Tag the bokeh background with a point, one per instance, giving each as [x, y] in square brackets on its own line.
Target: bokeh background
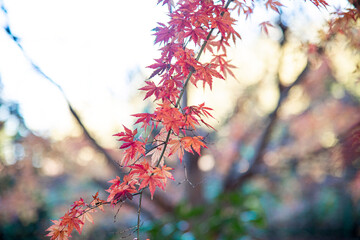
[282, 164]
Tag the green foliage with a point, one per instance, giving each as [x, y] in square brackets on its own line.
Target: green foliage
[234, 215]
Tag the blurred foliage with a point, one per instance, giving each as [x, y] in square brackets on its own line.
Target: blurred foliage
[229, 216]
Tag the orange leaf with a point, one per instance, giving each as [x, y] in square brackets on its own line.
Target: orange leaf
[57, 231]
[195, 143]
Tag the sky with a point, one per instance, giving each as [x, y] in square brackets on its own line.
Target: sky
[90, 48]
[87, 47]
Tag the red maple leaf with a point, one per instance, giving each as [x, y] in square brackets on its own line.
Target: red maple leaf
[151, 89]
[274, 5]
[163, 33]
[160, 66]
[170, 3]
[152, 181]
[319, 3]
[205, 73]
[196, 35]
[134, 147]
[164, 172]
[223, 64]
[176, 146]
[98, 202]
[57, 231]
[145, 119]
[194, 143]
[170, 117]
[264, 26]
[71, 222]
[121, 193]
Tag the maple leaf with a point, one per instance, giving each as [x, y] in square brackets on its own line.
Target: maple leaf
[87, 216]
[164, 172]
[98, 202]
[194, 143]
[223, 64]
[78, 203]
[319, 3]
[134, 151]
[264, 26]
[204, 110]
[134, 147]
[185, 61]
[205, 73]
[191, 121]
[180, 20]
[196, 34]
[127, 137]
[120, 191]
[145, 119]
[168, 51]
[160, 66]
[141, 169]
[169, 92]
[163, 33]
[121, 194]
[57, 231]
[156, 153]
[223, 24]
[170, 117]
[152, 181]
[151, 89]
[71, 222]
[274, 5]
[170, 3]
[248, 12]
[176, 146]
[239, 5]
[220, 45]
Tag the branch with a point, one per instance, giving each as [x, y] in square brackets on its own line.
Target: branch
[163, 203]
[187, 81]
[233, 182]
[138, 219]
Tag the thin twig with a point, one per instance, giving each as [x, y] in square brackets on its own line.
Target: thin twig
[138, 219]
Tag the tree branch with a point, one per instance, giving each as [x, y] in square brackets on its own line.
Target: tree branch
[233, 182]
[162, 203]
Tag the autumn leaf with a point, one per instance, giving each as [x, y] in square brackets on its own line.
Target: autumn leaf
[145, 119]
[264, 26]
[151, 89]
[87, 216]
[205, 73]
[71, 222]
[194, 143]
[319, 3]
[163, 33]
[164, 172]
[170, 117]
[57, 231]
[176, 147]
[225, 66]
[274, 5]
[98, 202]
[152, 181]
[160, 66]
[170, 3]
